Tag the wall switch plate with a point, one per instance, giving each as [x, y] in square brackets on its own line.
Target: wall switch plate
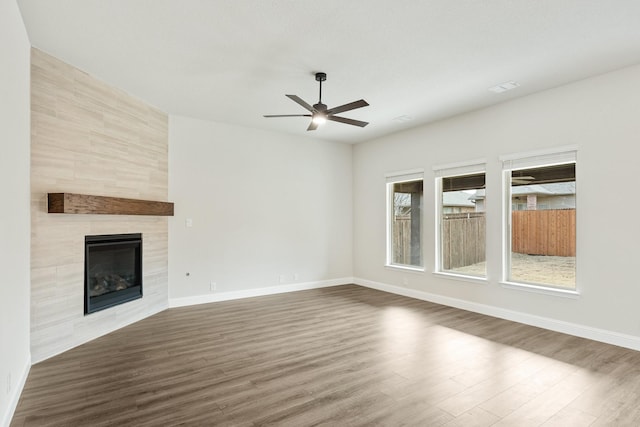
[213, 286]
[188, 222]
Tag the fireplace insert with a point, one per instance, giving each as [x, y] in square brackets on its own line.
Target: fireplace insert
[113, 270]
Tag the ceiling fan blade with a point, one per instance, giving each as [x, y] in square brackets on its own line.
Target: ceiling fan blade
[313, 125]
[348, 121]
[346, 107]
[299, 100]
[287, 115]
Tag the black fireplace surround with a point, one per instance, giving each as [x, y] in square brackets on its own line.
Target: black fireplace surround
[113, 270]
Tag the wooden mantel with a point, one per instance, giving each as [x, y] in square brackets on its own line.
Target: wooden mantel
[70, 203]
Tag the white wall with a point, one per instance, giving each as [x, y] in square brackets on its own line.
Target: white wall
[600, 116]
[14, 211]
[263, 205]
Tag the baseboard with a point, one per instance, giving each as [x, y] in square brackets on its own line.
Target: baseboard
[256, 292]
[15, 395]
[622, 340]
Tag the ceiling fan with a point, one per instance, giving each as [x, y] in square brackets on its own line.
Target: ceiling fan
[320, 113]
[521, 180]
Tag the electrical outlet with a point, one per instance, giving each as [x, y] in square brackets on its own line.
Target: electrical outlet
[8, 383]
[213, 286]
[296, 277]
[283, 278]
[405, 281]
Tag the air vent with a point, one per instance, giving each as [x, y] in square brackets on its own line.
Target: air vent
[503, 87]
[402, 119]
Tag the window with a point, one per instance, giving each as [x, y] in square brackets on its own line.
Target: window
[460, 204]
[404, 225]
[540, 210]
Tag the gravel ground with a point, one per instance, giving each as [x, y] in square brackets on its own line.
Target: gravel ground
[552, 270]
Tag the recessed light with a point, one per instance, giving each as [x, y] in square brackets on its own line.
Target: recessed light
[503, 87]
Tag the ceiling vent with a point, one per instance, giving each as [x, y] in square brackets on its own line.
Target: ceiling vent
[503, 87]
[402, 119]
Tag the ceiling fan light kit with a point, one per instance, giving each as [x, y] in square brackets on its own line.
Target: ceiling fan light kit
[320, 113]
[319, 119]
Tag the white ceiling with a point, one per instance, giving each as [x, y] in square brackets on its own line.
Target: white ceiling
[233, 61]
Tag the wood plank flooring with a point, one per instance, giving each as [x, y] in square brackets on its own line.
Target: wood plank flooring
[340, 356]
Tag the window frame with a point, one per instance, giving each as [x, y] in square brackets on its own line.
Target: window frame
[523, 161]
[390, 180]
[451, 170]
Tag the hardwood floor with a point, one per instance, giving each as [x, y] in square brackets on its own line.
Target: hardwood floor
[344, 356]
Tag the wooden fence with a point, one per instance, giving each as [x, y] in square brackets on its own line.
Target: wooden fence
[402, 240]
[463, 239]
[544, 232]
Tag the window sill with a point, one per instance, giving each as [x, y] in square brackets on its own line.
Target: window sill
[405, 268]
[461, 277]
[539, 289]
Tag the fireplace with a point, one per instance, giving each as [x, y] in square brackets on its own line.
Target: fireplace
[113, 270]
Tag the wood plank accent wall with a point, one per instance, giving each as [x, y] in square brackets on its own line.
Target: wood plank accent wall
[89, 138]
[69, 203]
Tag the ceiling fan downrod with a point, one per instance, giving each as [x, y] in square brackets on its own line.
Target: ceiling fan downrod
[320, 77]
